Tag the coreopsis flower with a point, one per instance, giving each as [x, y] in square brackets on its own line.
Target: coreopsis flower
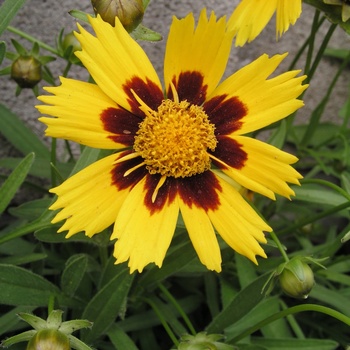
[175, 148]
[251, 17]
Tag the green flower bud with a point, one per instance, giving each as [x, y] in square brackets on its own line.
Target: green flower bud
[69, 45]
[26, 71]
[297, 279]
[49, 339]
[202, 341]
[129, 12]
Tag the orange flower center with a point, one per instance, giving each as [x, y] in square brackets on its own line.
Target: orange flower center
[173, 140]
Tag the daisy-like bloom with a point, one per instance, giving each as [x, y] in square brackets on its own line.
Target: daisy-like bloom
[251, 17]
[170, 141]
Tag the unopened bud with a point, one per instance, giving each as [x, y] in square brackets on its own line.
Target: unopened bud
[26, 71]
[297, 279]
[49, 339]
[203, 341]
[70, 44]
[129, 12]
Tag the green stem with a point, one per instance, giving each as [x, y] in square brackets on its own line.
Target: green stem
[178, 308]
[54, 162]
[318, 111]
[314, 218]
[320, 52]
[293, 310]
[163, 321]
[311, 41]
[33, 40]
[279, 246]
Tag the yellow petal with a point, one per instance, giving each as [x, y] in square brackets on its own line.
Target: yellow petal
[266, 100]
[266, 170]
[113, 58]
[250, 18]
[88, 200]
[204, 49]
[288, 11]
[77, 107]
[143, 237]
[238, 224]
[202, 236]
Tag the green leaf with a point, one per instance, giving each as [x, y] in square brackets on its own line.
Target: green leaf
[242, 303]
[105, 306]
[120, 340]
[143, 33]
[80, 15]
[73, 273]
[41, 167]
[23, 259]
[17, 133]
[2, 51]
[8, 11]
[31, 210]
[296, 344]
[278, 137]
[332, 298]
[14, 181]
[20, 287]
[314, 193]
[21, 50]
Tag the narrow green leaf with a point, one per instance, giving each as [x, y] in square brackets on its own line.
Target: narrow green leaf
[43, 222]
[314, 193]
[73, 273]
[278, 137]
[332, 298]
[120, 339]
[16, 132]
[2, 50]
[243, 302]
[41, 167]
[105, 306]
[20, 287]
[23, 259]
[8, 11]
[143, 33]
[296, 344]
[80, 15]
[14, 181]
[31, 210]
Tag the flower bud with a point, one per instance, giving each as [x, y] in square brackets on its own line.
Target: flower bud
[26, 71]
[297, 279]
[203, 341]
[49, 339]
[129, 12]
[69, 45]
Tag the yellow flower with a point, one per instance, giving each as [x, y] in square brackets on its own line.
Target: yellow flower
[167, 142]
[251, 16]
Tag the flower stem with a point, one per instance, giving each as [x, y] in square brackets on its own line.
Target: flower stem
[163, 321]
[32, 39]
[279, 246]
[316, 217]
[293, 310]
[178, 308]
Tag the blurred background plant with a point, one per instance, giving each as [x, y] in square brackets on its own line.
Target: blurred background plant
[182, 305]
